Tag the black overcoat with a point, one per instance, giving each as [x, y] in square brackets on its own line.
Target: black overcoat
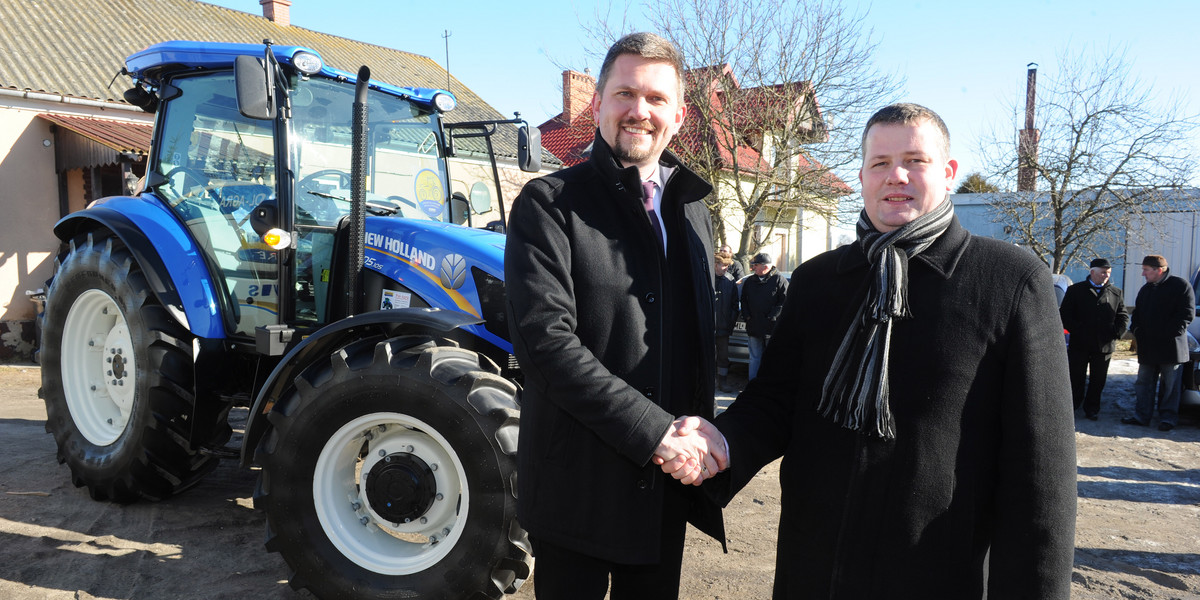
[725, 305]
[615, 340]
[762, 300]
[1095, 317]
[983, 461]
[1160, 319]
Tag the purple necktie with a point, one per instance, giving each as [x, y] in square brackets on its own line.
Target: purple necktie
[648, 202]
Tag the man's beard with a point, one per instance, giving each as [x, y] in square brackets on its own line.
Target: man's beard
[626, 154]
[629, 156]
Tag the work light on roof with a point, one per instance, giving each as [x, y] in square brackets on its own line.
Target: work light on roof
[444, 102]
[307, 62]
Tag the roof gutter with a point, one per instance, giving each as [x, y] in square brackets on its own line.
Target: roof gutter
[44, 97]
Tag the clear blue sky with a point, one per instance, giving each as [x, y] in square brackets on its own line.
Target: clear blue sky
[965, 60]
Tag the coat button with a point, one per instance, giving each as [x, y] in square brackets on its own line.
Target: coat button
[650, 298]
[641, 484]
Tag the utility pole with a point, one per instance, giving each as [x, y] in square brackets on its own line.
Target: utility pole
[446, 35]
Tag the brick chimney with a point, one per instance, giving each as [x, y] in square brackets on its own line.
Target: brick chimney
[1027, 145]
[277, 11]
[577, 94]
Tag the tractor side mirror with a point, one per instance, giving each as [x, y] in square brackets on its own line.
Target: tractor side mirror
[264, 217]
[529, 149]
[255, 86]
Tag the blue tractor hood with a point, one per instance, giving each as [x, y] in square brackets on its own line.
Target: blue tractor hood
[440, 262]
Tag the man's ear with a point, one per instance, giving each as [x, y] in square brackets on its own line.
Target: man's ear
[951, 172]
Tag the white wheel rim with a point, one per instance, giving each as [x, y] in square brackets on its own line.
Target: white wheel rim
[340, 496]
[98, 367]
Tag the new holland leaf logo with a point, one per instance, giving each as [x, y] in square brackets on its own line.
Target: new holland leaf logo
[453, 272]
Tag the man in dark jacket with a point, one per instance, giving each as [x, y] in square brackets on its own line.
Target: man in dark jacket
[1164, 307]
[736, 270]
[725, 313]
[763, 294]
[1093, 312]
[919, 403]
[610, 290]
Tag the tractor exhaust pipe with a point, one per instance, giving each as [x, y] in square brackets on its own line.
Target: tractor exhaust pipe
[358, 193]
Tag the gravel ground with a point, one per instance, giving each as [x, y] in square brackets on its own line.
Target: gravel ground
[1138, 532]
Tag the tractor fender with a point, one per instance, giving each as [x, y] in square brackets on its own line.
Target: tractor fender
[173, 264]
[326, 340]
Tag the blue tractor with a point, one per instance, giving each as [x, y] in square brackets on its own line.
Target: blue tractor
[295, 257]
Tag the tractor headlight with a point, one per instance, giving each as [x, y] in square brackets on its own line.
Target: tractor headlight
[444, 102]
[307, 62]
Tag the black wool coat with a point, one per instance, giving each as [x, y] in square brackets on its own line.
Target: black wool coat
[615, 340]
[982, 468]
[725, 305]
[1095, 318]
[1160, 319]
[762, 300]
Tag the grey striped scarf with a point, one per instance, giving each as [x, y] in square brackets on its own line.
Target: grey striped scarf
[855, 394]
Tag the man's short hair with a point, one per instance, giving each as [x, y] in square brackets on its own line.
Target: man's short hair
[907, 113]
[648, 46]
[1156, 261]
[724, 258]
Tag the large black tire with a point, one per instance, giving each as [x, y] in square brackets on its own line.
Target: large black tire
[390, 472]
[117, 378]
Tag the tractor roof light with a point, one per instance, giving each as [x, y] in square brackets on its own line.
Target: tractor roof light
[277, 239]
[444, 102]
[307, 62]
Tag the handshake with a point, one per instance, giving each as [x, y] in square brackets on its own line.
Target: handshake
[693, 450]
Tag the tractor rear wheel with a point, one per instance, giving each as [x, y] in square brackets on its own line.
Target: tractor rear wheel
[390, 472]
[117, 378]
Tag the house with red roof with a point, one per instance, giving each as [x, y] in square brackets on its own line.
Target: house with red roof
[772, 196]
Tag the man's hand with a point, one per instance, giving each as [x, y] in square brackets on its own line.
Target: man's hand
[692, 451]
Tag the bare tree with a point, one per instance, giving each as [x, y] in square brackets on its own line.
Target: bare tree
[1110, 149]
[778, 91]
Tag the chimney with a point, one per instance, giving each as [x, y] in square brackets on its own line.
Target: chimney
[277, 11]
[577, 94]
[1027, 144]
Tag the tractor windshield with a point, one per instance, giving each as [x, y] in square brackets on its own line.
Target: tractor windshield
[404, 167]
[405, 174]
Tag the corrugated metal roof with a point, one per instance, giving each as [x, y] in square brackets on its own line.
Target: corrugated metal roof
[76, 48]
[122, 136]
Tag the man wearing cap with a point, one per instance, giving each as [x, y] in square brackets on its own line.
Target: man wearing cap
[1093, 311]
[763, 294]
[1164, 307]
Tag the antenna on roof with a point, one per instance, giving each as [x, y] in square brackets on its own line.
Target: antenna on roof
[446, 35]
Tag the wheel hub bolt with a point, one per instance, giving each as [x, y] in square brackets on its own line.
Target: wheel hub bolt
[364, 521]
[383, 453]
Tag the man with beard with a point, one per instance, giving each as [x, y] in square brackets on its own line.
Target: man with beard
[608, 268]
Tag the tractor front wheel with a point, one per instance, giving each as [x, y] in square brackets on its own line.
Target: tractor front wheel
[390, 472]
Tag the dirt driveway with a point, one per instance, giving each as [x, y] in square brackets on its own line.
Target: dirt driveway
[1138, 532]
